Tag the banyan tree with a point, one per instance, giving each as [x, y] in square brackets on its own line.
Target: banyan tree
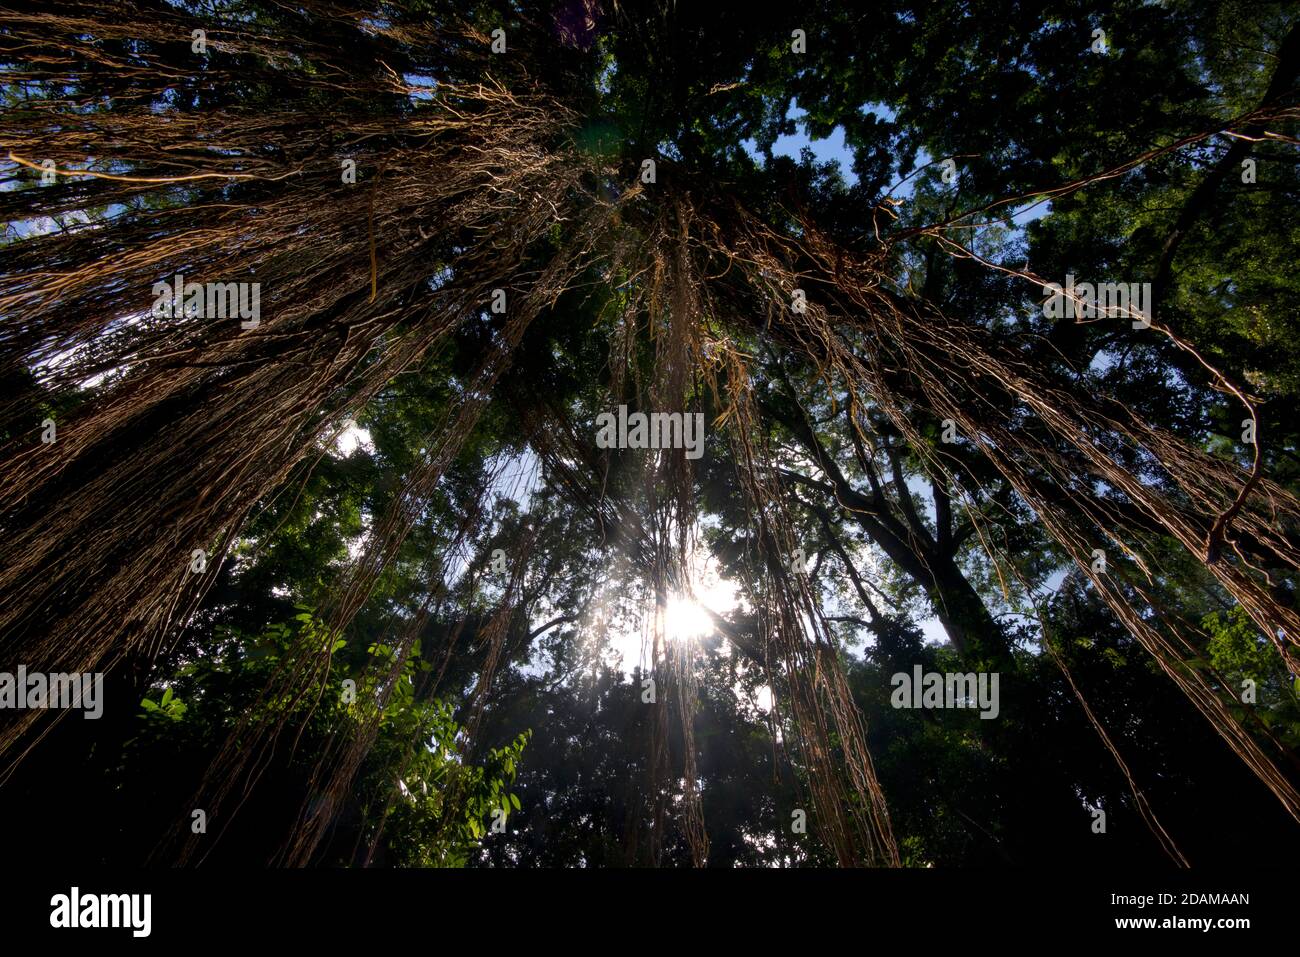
[388, 183]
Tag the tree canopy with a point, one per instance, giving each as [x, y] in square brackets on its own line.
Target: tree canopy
[312, 316]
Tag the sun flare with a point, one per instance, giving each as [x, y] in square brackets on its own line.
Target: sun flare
[686, 619]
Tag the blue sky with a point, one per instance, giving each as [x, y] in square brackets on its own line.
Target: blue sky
[831, 148]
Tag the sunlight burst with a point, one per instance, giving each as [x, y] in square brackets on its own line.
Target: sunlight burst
[686, 619]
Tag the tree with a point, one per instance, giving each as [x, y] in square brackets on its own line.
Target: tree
[455, 236]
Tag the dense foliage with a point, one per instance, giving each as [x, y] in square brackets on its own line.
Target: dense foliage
[413, 640]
